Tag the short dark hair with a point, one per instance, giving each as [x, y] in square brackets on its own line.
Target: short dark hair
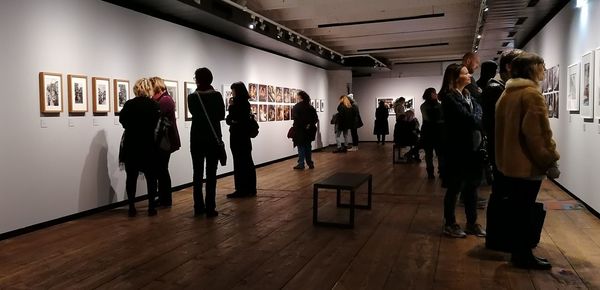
[525, 66]
[427, 94]
[203, 76]
[507, 57]
[304, 96]
[240, 90]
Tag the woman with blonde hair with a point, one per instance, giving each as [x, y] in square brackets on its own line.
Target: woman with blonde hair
[139, 117]
[343, 122]
[525, 152]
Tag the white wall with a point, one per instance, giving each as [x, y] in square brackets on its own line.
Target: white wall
[51, 172]
[564, 41]
[367, 90]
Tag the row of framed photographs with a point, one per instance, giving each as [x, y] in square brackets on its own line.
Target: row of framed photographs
[268, 93]
[552, 103]
[409, 103]
[583, 86]
[51, 93]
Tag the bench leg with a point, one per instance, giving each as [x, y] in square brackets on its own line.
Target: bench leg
[370, 192]
[315, 205]
[338, 198]
[352, 193]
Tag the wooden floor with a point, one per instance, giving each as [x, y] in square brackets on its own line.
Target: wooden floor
[270, 243]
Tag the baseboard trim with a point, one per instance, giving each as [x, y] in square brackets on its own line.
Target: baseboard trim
[593, 211]
[47, 224]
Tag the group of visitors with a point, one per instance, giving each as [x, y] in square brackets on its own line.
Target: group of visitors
[346, 121]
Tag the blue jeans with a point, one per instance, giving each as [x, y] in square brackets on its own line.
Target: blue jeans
[304, 153]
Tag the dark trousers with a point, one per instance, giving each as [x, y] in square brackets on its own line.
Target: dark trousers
[244, 173]
[304, 153]
[354, 133]
[198, 158]
[164, 178]
[133, 170]
[380, 138]
[429, 149]
[521, 198]
[468, 189]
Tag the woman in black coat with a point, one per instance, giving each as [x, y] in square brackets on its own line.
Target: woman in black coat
[462, 169]
[244, 173]
[139, 117]
[382, 127]
[431, 130]
[305, 129]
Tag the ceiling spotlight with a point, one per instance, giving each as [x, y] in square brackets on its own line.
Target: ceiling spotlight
[261, 24]
[253, 23]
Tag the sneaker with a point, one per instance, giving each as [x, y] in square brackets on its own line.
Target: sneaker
[476, 230]
[299, 167]
[454, 231]
[355, 148]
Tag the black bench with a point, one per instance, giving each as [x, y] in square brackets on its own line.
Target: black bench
[339, 182]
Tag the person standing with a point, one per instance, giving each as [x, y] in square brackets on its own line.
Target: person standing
[344, 122]
[356, 124]
[139, 117]
[462, 165]
[488, 72]
[496, 225]
[238, 119]
[471, 61]
[382, 127]
[208, 109]
[525, 152]
[431, 130]
[305, 127]
[167, 110]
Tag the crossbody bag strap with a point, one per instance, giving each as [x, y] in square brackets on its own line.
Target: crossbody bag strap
[207, 118]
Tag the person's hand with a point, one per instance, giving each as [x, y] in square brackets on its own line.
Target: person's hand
[553, 172]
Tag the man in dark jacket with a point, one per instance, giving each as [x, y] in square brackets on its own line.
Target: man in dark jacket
[305, 129]
[471, 62]
[205, 104]
[489, 97]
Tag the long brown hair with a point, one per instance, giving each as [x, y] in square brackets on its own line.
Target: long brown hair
[451, 77]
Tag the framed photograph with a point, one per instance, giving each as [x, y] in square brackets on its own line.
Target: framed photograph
[271, 113]
[262, 113]
[253, 92]
[78, 93]
[262, 93]
[287, 113]
[318, 105]
[389, 103]
[597, 83]
[227, 94]
[100, 89]
[121, 94]
[573, 88]
[322, 105]
[312, 103]
[556, 78]
[271, 93]
[545, 82]
[189, 88]
[410, 103]
[279, 94]
[586, 106]
[254, 110]
[50, 92]
[555, 104]
[279, 113]
[286, 95]
[173, 91]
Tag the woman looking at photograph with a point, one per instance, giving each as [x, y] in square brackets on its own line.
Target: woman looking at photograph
[305, 126]
[525, 152]
[139, 117]
[463, 168]
[382, 127]
[431, 130]
[244, 173]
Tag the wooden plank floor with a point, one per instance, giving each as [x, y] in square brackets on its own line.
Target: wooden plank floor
[269, 242]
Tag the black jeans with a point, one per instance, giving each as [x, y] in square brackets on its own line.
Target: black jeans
[164, 178]
[521, 198]
[244, 173]
[354, 133]
[429, 148]
[198, 157]
[468, 189]
[381, 138]
[133, 170]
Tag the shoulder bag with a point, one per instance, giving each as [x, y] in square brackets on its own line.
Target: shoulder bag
[222, 155]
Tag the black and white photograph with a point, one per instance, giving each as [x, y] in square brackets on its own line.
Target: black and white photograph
[100, 87]
[50, 92]
[596, 85]
[173, 91]
[389, 104]
[322, 105]
[188, 88]
[556, 77]
[121, 94]
[78, 93]
[228, 95]
[586, 107]
[409, 104]
[573, 88]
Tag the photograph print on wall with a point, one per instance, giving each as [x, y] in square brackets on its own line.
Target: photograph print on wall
[286, 95]
[586, 107]
[173, 91]
[121, 94]
[100, 87]
[322, 105]
[573, 88]
[262, 93]
[253, 92]
[597, 83]
[271, 93]
[389, 104]
[228, 95]
[262, 113]
[409, 104]
[287, 113]
[50, 92]
[189, 88]
[78, 93]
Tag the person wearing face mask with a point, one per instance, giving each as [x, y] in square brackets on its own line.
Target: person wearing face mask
[462, 172]
[525, 152]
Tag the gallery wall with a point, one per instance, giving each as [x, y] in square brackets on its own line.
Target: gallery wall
[367, 90]
[564, 41]
[57, 165]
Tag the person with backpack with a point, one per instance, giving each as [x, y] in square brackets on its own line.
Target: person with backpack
[239, 120]
[167, 110]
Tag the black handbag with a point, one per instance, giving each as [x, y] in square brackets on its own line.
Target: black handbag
[161, 134]
[253, 126]
[221, 153]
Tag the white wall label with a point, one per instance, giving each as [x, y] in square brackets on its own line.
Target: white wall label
[584, 127]
[95, 122]
[71, 122]
[43, 123]
[117, 121]
[570, 119]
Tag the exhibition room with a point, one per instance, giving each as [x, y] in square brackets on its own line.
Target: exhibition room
[295, 144]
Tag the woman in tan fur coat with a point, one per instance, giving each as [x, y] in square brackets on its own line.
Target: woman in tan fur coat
[525, 151]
